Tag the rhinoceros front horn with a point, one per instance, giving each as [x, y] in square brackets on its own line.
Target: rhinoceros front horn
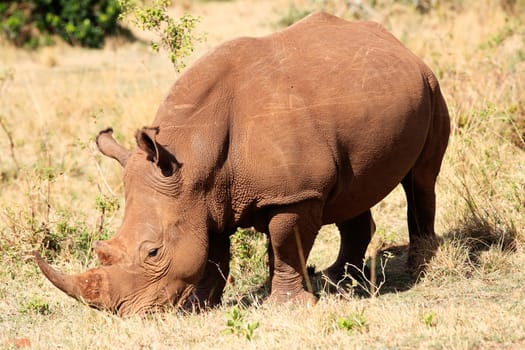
[109, 147]
[90, 286]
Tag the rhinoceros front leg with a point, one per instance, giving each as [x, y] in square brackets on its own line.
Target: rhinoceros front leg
[208, 291]
[356, 234]
[292, 233]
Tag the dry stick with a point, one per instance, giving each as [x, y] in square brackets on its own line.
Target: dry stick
[101, 225]
[373, 261]
[3, 88]
[35, 102]
[373, 274]
[48, 199]
[103, 177]
[301, 257]
[40, 113]
[11, 144]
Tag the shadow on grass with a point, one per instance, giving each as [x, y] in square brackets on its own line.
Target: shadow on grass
[395, 275]
[478, 234]
[392, 276]
[474, 234]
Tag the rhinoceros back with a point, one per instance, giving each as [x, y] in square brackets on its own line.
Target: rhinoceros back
[326, 109]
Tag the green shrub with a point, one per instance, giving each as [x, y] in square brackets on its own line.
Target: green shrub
[35, 305]
[238, 326]
[174, 36]
[355, 321]
[32, 23]
[293, 15]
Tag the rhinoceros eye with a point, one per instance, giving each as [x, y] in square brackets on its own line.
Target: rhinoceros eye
[153, 252]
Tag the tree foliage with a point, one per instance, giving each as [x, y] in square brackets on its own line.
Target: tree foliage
[33, 23]
[174, 36]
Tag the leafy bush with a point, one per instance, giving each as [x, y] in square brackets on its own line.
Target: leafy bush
[174, 36]
[32, 23]
[293, 15]
[356, 321]
[35, 305]
[238, 326]
[249, 262]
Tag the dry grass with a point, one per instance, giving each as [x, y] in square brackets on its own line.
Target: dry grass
[53, 102]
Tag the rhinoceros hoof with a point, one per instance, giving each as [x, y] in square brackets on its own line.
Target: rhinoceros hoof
[302, 297]
[420, 254]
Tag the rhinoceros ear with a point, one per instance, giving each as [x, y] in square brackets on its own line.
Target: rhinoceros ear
[146, 140]
[109, 147]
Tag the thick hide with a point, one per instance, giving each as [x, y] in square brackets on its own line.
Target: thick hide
[309, 126]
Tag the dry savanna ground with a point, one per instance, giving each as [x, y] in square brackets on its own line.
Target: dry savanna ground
[57, 192]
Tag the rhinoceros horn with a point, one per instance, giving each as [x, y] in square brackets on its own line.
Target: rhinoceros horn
[90, 286]
[109, 147]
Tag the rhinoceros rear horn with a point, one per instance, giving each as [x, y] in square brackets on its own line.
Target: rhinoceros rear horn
[90, 286]
[109, 147]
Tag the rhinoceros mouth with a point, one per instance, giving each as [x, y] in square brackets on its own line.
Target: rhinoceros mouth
[182, 300]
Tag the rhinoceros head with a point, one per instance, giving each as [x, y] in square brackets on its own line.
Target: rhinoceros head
[158, 253]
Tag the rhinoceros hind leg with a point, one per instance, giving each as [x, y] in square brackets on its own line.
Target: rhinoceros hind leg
[421, 208]
[292, 231]
[419, 185]
[356, 234]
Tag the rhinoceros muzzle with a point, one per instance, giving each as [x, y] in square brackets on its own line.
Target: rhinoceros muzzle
[94, 287]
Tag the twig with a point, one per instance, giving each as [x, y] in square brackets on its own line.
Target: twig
[373, 275]
[373, 289]
[3, 88]
[104, 181]
[303, 262]
[11, 144]
[35, 103]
